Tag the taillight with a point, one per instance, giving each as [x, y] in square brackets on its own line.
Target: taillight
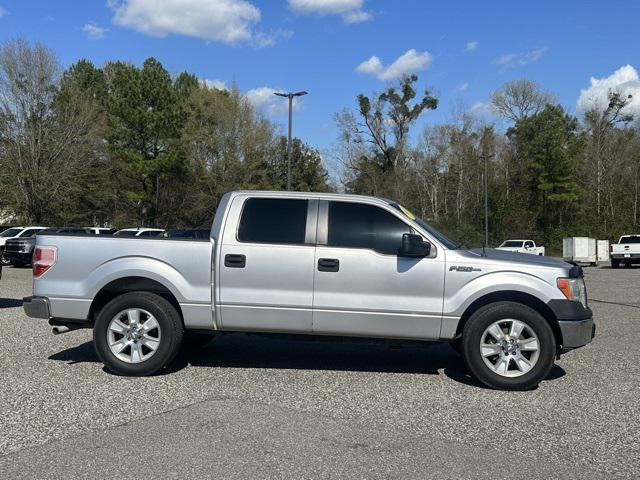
[43, 259]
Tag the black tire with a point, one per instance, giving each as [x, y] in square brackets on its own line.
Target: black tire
[615, 263]
[482, 319]
[170, 340]
[194, 340]
[4, 261]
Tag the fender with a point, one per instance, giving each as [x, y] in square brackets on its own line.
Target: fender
[146, 267]
[461, 293]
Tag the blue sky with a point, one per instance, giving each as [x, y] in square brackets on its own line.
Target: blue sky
[462, 50]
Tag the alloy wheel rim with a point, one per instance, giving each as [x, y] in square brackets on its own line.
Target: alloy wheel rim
[510, 348]
[134, 335]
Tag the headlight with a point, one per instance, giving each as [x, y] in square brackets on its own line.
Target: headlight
[573, 289]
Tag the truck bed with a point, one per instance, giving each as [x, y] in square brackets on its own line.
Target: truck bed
[85, 265]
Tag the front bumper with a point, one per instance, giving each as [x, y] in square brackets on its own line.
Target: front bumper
[575, 321]
[577, 333]
[36, 307]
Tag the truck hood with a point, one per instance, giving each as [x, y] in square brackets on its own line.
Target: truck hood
[498, 256]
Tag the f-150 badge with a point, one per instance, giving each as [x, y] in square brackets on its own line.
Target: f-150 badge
[455, 268]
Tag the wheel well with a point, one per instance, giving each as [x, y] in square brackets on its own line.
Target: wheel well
[130, 284]
[518, 297]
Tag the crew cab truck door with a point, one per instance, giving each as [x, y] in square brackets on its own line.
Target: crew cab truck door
[266, 264]
[362, 286]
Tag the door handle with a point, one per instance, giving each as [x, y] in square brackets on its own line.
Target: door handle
[328, 265]
[232, 260]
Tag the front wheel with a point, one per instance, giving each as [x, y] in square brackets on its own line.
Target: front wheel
[508, 346]
[137, 334]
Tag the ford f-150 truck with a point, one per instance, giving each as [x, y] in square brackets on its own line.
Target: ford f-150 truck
[314, 264]
[626, 251]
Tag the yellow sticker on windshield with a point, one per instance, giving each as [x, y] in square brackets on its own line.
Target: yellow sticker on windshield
[407, 212]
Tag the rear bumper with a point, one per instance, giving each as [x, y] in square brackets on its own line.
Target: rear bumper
[36, 307]
[621, 256]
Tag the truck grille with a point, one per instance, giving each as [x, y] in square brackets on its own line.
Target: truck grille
[16, 247]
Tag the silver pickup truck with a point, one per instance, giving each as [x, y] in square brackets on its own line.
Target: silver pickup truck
[312, 264]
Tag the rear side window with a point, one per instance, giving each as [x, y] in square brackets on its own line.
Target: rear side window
[273, 220]
[358, 225]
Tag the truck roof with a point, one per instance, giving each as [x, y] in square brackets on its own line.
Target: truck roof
[319, 195]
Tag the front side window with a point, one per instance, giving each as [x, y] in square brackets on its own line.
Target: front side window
[358, 225]
[273, 220]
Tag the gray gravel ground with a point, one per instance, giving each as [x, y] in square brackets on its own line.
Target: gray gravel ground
[255, 407]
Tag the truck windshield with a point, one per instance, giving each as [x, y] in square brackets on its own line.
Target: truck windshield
[432, 231]
[630, 239]
[512, 243]
[12, 232]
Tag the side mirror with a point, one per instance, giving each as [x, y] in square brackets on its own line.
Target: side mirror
[414, 246]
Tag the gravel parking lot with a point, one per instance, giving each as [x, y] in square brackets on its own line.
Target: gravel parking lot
[256, 407]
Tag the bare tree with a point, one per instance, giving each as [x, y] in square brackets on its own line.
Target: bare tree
[43, 137]
[519, 99]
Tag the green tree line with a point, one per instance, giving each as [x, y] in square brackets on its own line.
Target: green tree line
[124, 145]
[550, 174]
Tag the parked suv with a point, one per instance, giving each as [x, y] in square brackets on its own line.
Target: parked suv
[15, 232]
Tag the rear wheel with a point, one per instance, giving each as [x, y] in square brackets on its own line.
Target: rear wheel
[137, 334]
[508, 346]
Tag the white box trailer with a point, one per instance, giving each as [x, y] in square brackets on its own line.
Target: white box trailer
[580, 250]
[603, 250]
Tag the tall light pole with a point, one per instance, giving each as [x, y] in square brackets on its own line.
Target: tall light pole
[486, 132]
[290, 96]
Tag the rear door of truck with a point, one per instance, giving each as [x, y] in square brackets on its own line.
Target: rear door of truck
[266, 263]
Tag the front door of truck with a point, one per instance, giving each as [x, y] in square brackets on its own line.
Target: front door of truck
[266, 264]
[362, 286]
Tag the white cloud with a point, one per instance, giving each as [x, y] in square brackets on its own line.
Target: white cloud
[471, 46]
[521, 58]
[215, 83]
[226, 21]
[409, 62]
[263, 40]
[264, 99]
[93, 31]
[462, 87]
[624, 80]
[350, 10]
[481, 109]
